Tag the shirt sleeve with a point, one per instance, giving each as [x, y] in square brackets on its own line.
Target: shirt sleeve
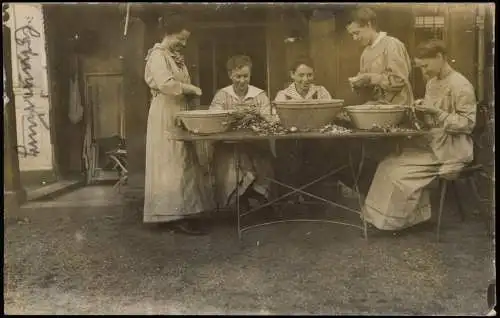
[219, 101]
[463, 119]
[158, 70]
[397, 72]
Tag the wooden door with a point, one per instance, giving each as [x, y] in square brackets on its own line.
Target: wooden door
[104, 100]
[104, 94]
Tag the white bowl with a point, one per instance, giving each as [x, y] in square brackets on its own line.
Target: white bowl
[206, 121]
[308, 114]
[367, 116]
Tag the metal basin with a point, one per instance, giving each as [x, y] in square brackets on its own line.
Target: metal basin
[206, 121]
[309, 114]
[367, 116]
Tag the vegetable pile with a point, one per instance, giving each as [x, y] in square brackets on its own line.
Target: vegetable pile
[334, 129]
[250, 119]
[388, 129]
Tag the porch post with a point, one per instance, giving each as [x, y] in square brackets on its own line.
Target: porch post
[323, 50]
[136, 102]
[14, 194]
[461, 39]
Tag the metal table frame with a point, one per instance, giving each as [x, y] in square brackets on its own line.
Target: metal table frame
[239, 137]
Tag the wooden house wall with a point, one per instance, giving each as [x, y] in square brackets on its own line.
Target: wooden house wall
[335, 54]
[58, 35]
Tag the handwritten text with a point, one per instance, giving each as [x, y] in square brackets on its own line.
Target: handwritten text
[23, 37]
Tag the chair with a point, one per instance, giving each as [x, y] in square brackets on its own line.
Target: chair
[118, 157]
[467, 173]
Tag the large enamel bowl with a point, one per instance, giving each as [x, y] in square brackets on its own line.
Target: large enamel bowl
[367, 116]
[308, 114]
[206, 121]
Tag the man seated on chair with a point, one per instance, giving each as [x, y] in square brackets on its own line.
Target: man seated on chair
[398, 197]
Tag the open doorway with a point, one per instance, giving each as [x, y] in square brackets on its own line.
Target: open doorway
[87, 96]
[217, 45]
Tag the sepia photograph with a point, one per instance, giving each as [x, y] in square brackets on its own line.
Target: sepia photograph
[253, 158]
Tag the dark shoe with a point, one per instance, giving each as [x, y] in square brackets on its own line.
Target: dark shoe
[191, 227]
[244, 205]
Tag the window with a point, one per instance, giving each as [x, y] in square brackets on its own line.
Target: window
[429, 27]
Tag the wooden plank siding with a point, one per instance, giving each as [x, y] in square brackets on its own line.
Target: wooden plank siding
[335, 54]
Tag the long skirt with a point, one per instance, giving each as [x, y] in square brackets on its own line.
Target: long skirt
[255, 169]
[176, 186]
[399, 196]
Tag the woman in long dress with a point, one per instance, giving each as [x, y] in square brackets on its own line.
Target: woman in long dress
[255, 159]
[399, 196]
[176, 189]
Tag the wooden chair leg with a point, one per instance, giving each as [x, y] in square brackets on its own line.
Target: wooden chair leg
[441, 207]
[459, 202]
[473, 185]
[482, 210]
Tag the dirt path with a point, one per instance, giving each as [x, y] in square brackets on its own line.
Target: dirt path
[103, 261]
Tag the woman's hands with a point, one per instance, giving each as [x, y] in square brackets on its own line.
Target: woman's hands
[197, 91]
[421, 106]
[342, 115]
[360, 80]
[189, 89]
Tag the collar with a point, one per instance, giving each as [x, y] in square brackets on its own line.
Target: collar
[291, 91]
[380, 36]
[155, 47]
[159, 46]
[251, 93]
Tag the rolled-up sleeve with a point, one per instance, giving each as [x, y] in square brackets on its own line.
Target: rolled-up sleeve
[159, 74]
[396, 75]
[219, 101]
[463, 119]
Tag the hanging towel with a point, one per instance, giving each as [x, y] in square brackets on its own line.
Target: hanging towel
[75, 100]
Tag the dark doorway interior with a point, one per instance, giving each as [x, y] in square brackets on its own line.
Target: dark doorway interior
[217, 45]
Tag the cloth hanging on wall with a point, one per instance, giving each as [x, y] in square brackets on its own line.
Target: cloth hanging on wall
[75, 100]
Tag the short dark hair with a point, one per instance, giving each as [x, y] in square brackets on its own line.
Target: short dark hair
[173, 24]
[237, 62]
[363, 16]
[302, 61]
[430, 49]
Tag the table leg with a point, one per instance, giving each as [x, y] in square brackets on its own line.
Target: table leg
[356, 180]
[314, 196]
[213, 185]
[299, 190]
[237, 174]
[295, 190]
